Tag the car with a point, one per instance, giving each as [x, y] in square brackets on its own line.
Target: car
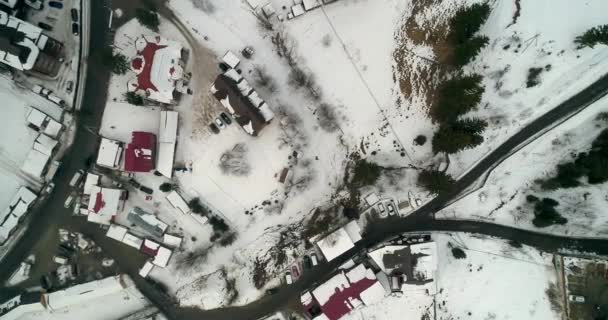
[313, 258]
[75, 29]
[45, 26]
[49, 187]
[214, 128]
[146, 189]
[74, 13]
[576, 298]
[76, 178]
[272, 291]
[391, 208]
[69, 86]
[382, 210]
[295, 272]
[307, 262]
[288, 278]
[68, 201]
[226, 118]
[219, 123]
[55, 4]
[45, 282]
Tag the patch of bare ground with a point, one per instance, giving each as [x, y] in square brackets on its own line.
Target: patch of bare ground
[419, 76]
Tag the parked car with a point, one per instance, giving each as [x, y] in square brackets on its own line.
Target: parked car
[55, 4]
[69, 86]
[307, 262]
[313, 258]
[575, 298]
[74, 13]
[272, 291]
[68, 201]
[49, 187]
[75, 29]
[288, 278]
[45, 282]
[295, 271]
[38, 89]
[76, 178]
[45, 26]
[382, 210]
[214, 128]
[226, 118]
[391, 208]
[60, 260]
[219, 123]
[146, 190]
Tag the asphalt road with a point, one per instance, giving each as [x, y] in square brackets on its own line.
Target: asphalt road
[44, 221]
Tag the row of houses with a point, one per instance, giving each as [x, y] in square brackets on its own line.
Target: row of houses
[297, 8]
[15, 212]
[144, 153]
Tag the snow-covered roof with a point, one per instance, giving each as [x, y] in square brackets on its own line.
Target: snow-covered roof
[231, 59]
[10, 50]
[171, 240]
[53, 128]
[353, 230]
[116, 232]
[36, 117]
[91, 181]
[140, 152]
[83, 292]
[146, 269]
[109, 154]
[297, 10]
[426, 263]
[35, 163]
[417, 261]
[132, 241]
[335, 244]
[178, 202]
[45, 144]
[162, 257]
[9, 3]
[310, 4]
[157, 67]
[147, 221]
[371, 198]
[233, 74]
[104, 204]
[167, 140]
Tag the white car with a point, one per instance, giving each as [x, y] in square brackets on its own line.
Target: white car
[391, 208]
[314, 260]
[219, 123]
[382, 210]
[68, 201]
[76, 178]
[575, 298]
[288, 278]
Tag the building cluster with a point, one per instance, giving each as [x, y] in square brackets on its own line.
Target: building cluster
[243, 103]
[393, 267]
[144, 153]
[295, 9]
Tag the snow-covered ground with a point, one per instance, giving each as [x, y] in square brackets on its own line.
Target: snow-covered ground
[494, 281]
[503, 198]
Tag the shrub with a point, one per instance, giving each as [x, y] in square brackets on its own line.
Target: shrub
[147, 18]
[134, 98]
[545, 214]
[196, 207]
[531, 198]
[593, 36]
[117, 62]
[420, 140]
[228, 239]
[166, 187]
[366, 173]
[459, 135]
[467, 21]
[458, 253]
[465, 52]
[436, 182]
[218, 225]
[533, 77]
[457, 96]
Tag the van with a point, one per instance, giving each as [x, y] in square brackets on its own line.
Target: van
[60, 260]
[288, 278]
[38, 89]
[76, 178]
[55, 99]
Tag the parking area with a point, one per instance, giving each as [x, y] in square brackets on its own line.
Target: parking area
[586, 288]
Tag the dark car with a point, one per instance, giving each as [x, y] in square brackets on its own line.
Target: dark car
[55, 4]
[74, 14]
[75, 29]
[45, 26]
[214, 128]
[307, 262]
[272, 291]
[226, 118]
[45, 282]
[146, 190]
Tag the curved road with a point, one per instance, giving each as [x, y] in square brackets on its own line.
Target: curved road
[44, 222]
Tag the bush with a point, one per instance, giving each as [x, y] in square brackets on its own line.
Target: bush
[465, 52]
[436, 182]
[219, 225]
[459, 135]
[147, 18]
[420, 140]
[166, 187]
[458, 253]
[593, 36]
[117, 62]
[457, 96]
[545, 214]
[366, 173]
[134, 98]
[196, 207]
[531, 198]
[228, 239]
[533, 77]
[467, 21]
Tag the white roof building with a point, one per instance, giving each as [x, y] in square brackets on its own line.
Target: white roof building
[146, 269]
[116, 232]
[310, 4]
[339, 241]
[45, 144]
[231, 59]
[33, 41]
[91, 181]
[35, 163]
[160, 254]
[104, 204]
[84, 292]
[167, 140]
[171, 240]
[110, 153]
[44, 123]
[178, 202]
[132, 241]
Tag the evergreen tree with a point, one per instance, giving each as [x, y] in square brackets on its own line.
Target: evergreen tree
[466, 51]
[147, 18]
[366, 173]
[436, 182]
[457, 96]
[467, 21]
[470, 125]
[166, 187]
[134, 98]
[546, 215]
[459, 135]
[593, 36]
[117, 62]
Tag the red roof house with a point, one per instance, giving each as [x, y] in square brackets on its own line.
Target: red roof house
[139, 155]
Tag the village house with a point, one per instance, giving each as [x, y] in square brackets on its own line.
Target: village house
[140, 152]
[110, 153]
[17, 208]
[166, 142]
[105, 204]
[147, 221]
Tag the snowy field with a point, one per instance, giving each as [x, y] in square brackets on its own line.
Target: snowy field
[494, 281]
[503, 198]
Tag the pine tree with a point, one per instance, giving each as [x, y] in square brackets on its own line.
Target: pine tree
[147, 18]
[436, 182]
[459, 135]
[457, 96]
[466, 51]
[467, 21]
[593, 36]
[470, 125]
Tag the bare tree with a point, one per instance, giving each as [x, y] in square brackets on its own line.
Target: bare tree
[328, 120]
[235, 161]
[263, 79]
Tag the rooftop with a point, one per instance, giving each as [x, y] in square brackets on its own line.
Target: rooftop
[109, 154]
[104, 204]
[139, 155]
